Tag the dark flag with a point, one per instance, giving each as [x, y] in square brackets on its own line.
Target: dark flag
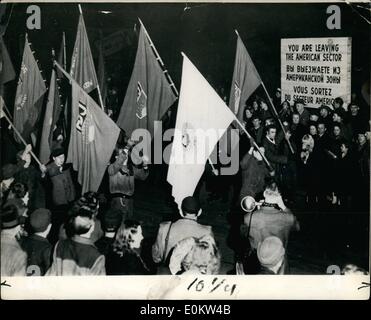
[28, 98]
[93, 139]
[149, 93]
[52, 113]
[7, 72]
[64, 100]
[244, 82]
[82, 64]
[102, 73]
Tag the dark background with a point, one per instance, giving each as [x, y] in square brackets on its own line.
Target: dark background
[205, 32]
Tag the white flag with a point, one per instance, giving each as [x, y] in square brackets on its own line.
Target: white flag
[202, 119]
[2, 104]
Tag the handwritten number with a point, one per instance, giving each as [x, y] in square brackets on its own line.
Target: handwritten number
[214, 285]
[200, 286]
[193, 282]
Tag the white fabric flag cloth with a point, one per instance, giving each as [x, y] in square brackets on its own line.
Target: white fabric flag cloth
[202, 119]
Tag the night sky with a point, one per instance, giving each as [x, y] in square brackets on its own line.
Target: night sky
[205, 32]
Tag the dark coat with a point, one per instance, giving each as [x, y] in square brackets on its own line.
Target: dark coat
[39, 252]
[345, 178]
[363, 163]
[304, 117]
[130, 263]
[270, 221]
[253, 174]
[32, 178]
[274, 155]
[104, 245]
[76, 256]
[298, 131]
[62, 184]
[257, 135]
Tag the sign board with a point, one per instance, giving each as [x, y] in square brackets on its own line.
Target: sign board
[316, 70]
[115, 42]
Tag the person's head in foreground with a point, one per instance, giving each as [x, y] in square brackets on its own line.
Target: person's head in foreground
[128, 237]
[351, 269]
[272, 196]
[20, 191]
[271, 254]
[58, 156]
[11, 221]
[190, 208]
[195, 256]
[40, 222]
[82, 222]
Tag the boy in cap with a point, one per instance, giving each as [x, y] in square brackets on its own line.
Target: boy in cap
[170, 233]
[63, 189]
[271, 255]
[36, 245]
[13, 258]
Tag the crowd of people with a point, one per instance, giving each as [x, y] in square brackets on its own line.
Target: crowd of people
[322, 155]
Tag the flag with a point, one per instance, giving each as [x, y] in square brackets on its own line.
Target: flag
[6, 67]
[28, 98]
[102, 74]
[52, 112]
[62, 56]
[82, 64]
[244, 82]
[64, 100]
[202, 119]
[148, 95]
[92, 140]
[2, 105]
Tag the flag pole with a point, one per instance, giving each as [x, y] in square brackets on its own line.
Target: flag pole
[100, 97]
[158, 58]
[6, 109]
[274, 109]
[21, 138]
[255, 144]
[278, 118]
[64, 51]
[98, 88]
[68, 76]
[211, 164]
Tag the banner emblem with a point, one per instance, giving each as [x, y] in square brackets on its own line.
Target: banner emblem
[237, 98]
[82, 116]
[141, 111]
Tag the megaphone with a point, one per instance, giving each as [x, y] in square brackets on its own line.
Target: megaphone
[248, 204]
